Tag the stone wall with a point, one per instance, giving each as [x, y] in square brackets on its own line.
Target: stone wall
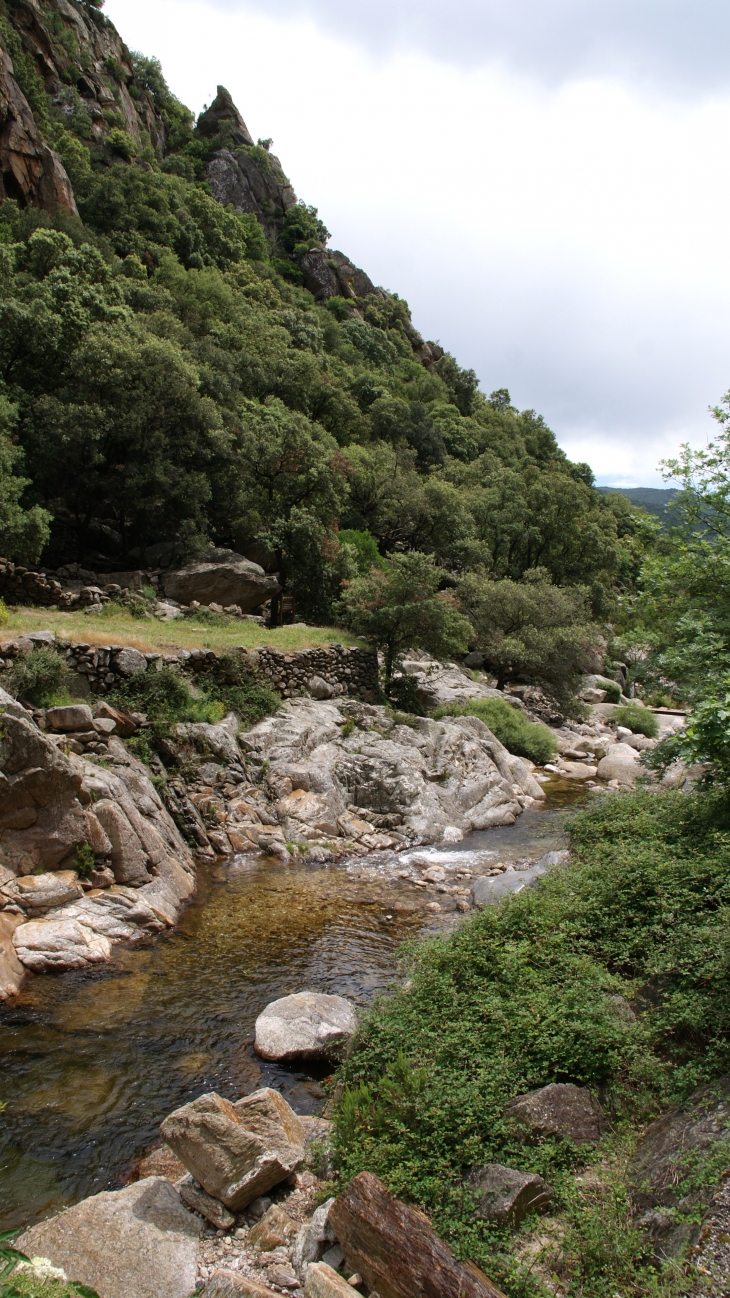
[68, 588]
[96, 669]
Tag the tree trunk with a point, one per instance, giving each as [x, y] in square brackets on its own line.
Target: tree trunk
[396, 1251]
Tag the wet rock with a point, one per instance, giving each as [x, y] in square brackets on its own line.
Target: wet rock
[671, 1147]
[305, 1026]
[561, 1109]
[488, 890]
[323, 1282]
[139, 1242]
[75, 717]
[237, 581]
[58, 945]
[275, 1228]
[237, 1152]
[507, 1195]
[208, 1207]
[231, 1284]
[159, 1162]
[395, 1250]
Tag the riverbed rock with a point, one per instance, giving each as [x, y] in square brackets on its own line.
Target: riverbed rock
[506, 1195]
[383, 782]
[37, 893]
[208, 1207]
[41, 797]
[488, 890]
[395, 1250]
[58, 945]
[231, 1284]
[237, 1152]
[314, 1238]
[304, 1026]
[438, 684]
[274, 1229]
[561, 1110]
[139, 1242]
[236, 581]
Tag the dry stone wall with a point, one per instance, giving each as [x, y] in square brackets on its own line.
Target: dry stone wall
[97, 669]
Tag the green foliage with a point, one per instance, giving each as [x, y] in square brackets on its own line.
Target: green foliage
[365, 546]
[84, 859]
[522, 737]
[401, 607]
[530, 628]
[165, 696]
[37, 677]
[238, 689]
[23, 532]
[641, 720]
[535, 991]
[612, 688]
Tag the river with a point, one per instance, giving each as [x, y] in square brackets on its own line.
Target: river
[91, 1061]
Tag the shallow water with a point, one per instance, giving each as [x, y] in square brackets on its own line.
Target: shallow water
[92, 1061]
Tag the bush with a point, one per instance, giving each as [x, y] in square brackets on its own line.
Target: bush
[612, 688]
[165, 696]
[522, 737]
[640, 720]
[37, 679]
[535, 991]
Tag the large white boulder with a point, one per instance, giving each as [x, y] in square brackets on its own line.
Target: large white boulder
[305, 1026]
[139, 1242]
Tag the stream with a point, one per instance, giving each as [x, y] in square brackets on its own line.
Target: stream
[92, 1061]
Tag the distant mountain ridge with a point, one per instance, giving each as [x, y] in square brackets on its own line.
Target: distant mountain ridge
[653, 499]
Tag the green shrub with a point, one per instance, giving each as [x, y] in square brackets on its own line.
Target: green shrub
[37, 678]
[84, 859]
[612, 688]
[236, 688]
[641, 720]
[536, 991]
[522, 737]
[165, 696]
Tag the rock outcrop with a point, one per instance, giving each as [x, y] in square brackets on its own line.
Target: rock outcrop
[56, 810]
[30, 171]
[139, 1242]
[305, 1026]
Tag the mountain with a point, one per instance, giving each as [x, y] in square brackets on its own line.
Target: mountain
[654, 499]
[184, 360]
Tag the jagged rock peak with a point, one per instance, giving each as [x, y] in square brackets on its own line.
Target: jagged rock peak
[223, 116]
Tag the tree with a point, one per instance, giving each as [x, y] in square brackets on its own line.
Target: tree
[401, 607]
[23, 532]
[530, 628]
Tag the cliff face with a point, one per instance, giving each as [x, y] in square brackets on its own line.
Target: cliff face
[70, 60]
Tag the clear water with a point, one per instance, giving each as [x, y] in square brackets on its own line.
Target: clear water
[92, 1061]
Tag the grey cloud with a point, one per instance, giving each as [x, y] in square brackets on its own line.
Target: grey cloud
[679, 46]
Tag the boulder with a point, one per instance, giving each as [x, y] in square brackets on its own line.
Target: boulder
[231, 1284]
[314, 1238]
[139, 1242]
[320, 689]
[124, 724]
[490, 889]
[621, 763]
[130, 662]
[75, 717]
[41, 892]
[323, 1282]
[237, 581]
[663, 1176]
[561, 1110]
[12, 971]
[274, 1229]
[305, 1026]
[129, 861]
[237, 1152]
[438, 684]
[507, 1195]
[41, 795]
[208, 1207]
[59, 944]
[395, 1250]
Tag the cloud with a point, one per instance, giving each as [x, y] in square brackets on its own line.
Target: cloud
[567, 241]
[680, 44]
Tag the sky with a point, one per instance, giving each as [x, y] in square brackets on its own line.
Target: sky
[544, 181]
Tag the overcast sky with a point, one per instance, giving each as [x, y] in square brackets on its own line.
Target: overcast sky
[545, 181]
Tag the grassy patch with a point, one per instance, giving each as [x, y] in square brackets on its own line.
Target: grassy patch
[613, 974]
[150, 635]
[640, 720]
[522, 737]
[37, 679]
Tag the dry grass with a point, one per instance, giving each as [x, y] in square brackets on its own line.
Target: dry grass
[153, 636]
